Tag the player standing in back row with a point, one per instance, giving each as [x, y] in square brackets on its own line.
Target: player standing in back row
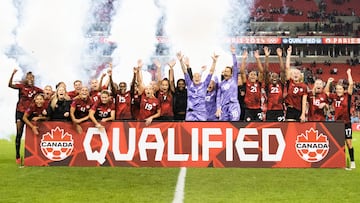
[342, 104]
[228, 107]
[296, 92]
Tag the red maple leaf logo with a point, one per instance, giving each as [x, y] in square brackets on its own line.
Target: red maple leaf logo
[312, 136]
[57, 135]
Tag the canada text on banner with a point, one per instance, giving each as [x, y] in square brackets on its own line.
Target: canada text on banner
[188, 144]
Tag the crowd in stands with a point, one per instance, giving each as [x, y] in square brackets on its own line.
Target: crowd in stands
[327, 19]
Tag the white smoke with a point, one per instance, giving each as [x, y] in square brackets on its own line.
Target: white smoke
[8, 97]
[133, 29]
[196, 29]
[41, 36]
[52, 34]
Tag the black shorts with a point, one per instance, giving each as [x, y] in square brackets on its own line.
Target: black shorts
[19, 116]
[253, 115]
[275, 115]
[348, 131]
[292, 113]
[179, 117]
[165, 118]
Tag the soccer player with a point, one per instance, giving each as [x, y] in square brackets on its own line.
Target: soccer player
[77, 87]
[48, 94]
[196, 91]
[59, 106]
[61, 84]
[103, 110]
[149, 104]
[342, 104]
[27, 91]
[36, 112]
[180, 100]
[296, 92]
[317, 102]
[210, 100]
[135, 98]
[122, 99]
[166, 91]
[253, 86]
[80, 107]
[227, 103]
[274, 88]
[241, 97]
[95, 90]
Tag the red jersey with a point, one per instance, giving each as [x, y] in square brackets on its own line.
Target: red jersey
[135, 106]
[252, 98]
[82, 107]
[26, 96]
[123, 106]
[148, 107]
[35, 111]
[342, 106]
[315, 113]
[295, 91]
[103, 110]
[73, 94]
[95, 95]
[166, 103]
[46, 102]
[275, 96]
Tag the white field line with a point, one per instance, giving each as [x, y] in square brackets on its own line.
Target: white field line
[180, 186]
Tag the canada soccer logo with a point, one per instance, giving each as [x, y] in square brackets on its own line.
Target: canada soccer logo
[57, 145]
[311, 146]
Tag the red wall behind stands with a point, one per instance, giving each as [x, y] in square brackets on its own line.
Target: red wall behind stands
[189, 144]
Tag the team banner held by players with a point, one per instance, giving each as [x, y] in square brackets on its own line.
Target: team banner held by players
[189, 144]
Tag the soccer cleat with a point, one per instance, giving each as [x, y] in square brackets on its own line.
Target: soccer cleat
[352, 165]
[18, 161]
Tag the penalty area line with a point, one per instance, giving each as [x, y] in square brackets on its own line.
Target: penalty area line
[180, 186]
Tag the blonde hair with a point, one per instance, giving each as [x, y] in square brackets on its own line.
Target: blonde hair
[55, 98]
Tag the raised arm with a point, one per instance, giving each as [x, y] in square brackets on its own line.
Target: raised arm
[171, 75]
[180, 57]
[266, 67]
[214, 58]
[351, 82]
[109, 72]
[113, 86]
[287, 63]
[158, 71]
[242, 67]
[327, 86]
[235, 63]
[259, 65]
[188, 68]
[281, 64]
[133, 83]
[139, 77]
[101, 81]
[11, 84]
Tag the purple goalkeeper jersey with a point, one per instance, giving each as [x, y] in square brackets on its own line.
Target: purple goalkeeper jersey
[228, 89]
[210, 100]
[196, 93]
